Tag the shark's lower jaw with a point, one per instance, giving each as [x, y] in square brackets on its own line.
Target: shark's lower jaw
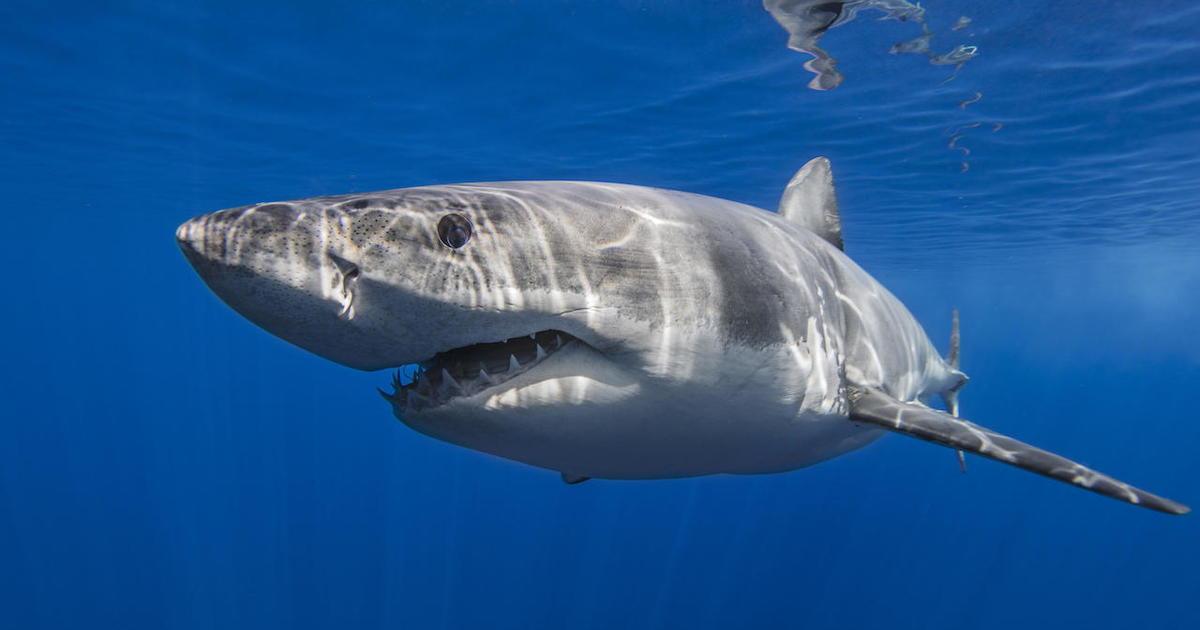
[469, 370]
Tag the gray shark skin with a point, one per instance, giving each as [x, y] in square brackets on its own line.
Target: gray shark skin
[605, 330]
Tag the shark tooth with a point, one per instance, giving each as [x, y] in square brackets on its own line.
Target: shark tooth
[541, 352]
[512, 363]
[424, 386]
[386, 396]
[484, 377]
[558, 340]
[416, 402]
[449, 385]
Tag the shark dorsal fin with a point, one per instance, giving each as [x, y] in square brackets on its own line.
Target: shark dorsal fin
[809, 201]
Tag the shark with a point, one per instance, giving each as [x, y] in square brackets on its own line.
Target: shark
[606, 330]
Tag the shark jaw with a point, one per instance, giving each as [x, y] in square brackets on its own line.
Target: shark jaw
[472, 370]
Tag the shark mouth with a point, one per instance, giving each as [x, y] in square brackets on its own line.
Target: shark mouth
[469, 370]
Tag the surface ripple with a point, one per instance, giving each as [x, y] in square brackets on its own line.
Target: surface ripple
[1044, 141]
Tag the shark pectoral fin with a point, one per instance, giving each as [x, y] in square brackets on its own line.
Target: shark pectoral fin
[875, 407]
[573, 479]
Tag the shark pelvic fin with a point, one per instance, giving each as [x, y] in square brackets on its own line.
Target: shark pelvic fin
[875, 407]
[573, 479]
[809, 201]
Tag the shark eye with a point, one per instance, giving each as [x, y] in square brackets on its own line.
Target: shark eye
[454, 230]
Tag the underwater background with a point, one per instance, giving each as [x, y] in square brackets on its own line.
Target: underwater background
[165, 464]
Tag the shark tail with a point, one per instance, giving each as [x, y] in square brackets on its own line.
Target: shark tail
[952, 354]
[951, 395]
[873, 406]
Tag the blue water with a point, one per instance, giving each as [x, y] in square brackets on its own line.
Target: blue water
[165, 464]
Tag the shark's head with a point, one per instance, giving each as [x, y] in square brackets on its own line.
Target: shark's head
[501, 295]
[373, 281]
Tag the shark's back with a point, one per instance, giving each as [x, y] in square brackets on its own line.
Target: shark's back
[770, 272]
[774, 269]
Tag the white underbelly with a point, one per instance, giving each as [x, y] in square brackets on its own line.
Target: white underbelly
[627, 429]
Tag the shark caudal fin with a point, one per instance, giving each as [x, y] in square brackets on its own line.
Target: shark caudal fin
[873, 406]
[952, 353]
[951, 395]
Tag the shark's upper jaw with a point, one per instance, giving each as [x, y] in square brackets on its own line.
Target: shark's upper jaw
[470, 370]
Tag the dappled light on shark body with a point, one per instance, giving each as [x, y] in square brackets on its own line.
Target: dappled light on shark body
[605, 330]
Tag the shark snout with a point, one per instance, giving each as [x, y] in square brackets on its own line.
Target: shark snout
[206, 239]
[192, 240]
[226, 236]
[283, 267]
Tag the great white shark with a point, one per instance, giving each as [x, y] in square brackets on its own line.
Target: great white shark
[606, 330]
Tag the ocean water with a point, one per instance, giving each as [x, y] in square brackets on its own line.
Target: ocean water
[166, 464]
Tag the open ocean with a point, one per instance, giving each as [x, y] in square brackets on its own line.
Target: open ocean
[166, 464]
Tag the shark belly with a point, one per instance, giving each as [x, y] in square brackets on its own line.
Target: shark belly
[613, 423]
[651, 435]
